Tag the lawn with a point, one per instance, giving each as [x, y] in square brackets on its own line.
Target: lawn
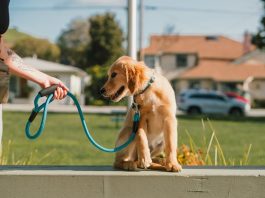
[64, 142]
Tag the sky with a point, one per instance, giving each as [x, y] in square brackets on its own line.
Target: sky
[45, 19]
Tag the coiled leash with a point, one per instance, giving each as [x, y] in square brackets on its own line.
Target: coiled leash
[49, 93]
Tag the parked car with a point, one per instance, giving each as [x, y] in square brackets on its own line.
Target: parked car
[236, 96]
[210, 102]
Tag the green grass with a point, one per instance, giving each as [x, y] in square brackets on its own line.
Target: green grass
[64, 142]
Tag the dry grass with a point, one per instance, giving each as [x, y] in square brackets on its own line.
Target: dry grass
[8, 157]
[211, 153]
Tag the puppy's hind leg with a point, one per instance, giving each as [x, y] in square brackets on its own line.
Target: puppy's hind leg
[158, 159]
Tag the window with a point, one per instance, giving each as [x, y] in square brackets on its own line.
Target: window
[181, 60]
[149, 61]
[198, 96]
[226, 87]
[218, 97]
[208, 97]
[194, 84]
[257, 86]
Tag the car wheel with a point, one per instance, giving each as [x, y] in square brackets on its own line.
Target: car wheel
[236, 112]
[194, 111]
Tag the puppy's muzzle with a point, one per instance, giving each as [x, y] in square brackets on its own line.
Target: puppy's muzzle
[102, 91]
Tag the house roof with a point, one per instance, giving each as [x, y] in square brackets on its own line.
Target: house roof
[224, 72]
[207, 47]
[255, 57]
[47, 67]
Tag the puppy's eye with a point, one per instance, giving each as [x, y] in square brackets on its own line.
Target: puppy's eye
[113, 75]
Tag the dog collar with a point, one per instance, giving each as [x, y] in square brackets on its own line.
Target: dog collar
[150, 82]
[136, 106]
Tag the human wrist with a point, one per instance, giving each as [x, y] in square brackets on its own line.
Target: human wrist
[4, 54]
[43, 82]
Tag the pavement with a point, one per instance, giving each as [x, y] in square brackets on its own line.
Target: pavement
[57, 108]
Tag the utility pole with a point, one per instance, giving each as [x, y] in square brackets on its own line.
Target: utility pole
[132, 50]
[141, 30]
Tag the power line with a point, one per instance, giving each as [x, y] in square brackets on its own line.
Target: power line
[146, 7]
[185, 9]
[62, 8]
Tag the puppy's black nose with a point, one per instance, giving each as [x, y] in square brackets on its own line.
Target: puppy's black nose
[102, 91]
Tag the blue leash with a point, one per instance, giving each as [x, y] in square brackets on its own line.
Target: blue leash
[49, 92]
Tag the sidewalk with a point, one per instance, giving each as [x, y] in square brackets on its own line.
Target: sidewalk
[57, 108]
[67, 108]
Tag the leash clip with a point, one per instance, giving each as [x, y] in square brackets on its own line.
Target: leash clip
[135, 107]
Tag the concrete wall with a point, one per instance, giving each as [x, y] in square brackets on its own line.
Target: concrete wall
[103, 182]
[168, 62]
[257, 89]
[207, 84]
[180, 85]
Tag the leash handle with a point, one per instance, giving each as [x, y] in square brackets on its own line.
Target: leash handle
[44, 92]
[49, 90]
[33, 115]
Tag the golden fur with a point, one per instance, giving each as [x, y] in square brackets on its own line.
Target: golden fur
[158, 125]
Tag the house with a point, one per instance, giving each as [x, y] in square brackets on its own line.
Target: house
[23, 91]
[176, 51]
[246, 78]
[209, 62]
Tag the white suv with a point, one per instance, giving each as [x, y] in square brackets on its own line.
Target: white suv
[210, 102]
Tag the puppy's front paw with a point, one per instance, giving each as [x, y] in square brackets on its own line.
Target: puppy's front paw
[173, 167]
[126, 165]
[144, 162]
[130, 166]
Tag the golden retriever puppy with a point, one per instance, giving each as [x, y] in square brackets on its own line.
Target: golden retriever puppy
[157, 131]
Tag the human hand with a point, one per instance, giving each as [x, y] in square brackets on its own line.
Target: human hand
[61, 90]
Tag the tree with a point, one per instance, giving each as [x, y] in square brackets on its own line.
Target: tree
[92, 45]
[259, 38]
[98, 78]
[41, 47]
[106, 40]
[105, 47]
[74, 42]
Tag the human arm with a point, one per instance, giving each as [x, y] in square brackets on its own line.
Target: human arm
[19, 68]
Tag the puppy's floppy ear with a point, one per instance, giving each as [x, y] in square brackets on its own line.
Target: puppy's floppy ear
[130, 74]
[134, 73]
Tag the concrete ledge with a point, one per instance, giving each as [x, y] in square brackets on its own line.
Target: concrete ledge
[104, 182]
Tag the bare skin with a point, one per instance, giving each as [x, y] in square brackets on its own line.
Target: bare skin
[17, 67]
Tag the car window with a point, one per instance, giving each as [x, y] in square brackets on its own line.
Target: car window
[196, 96]
[199, 96]
[208, 96]
[220, 98]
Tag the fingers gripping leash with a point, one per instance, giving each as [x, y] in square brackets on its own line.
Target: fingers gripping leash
[49, 93]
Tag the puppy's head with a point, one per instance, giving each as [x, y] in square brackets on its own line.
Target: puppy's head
[125, 77]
